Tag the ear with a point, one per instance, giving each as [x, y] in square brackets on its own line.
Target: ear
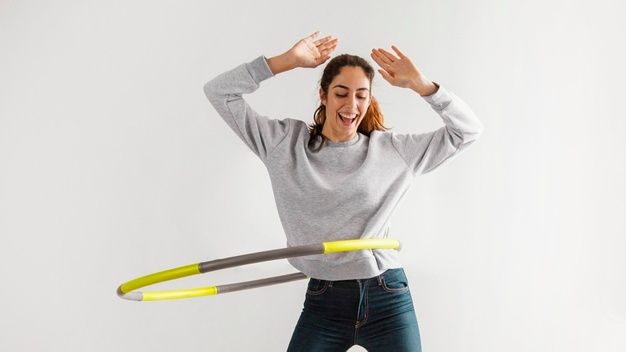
[322, 98]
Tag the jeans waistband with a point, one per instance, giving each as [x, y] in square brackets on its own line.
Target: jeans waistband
[369, 282]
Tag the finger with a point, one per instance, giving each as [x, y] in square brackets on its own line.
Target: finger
[374, 54]
[326, 53]
[384, 58]
[385, 75]
[329, 50]
[323, 40]
[315, 34]
[376, 58]
[328, 44]
[389, 55]
[401, 54]
[380, 59]
[320, 60]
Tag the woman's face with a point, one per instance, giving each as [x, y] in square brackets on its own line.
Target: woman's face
[347, 102]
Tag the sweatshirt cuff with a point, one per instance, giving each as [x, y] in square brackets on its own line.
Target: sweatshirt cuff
[259, 69]
[440, 99]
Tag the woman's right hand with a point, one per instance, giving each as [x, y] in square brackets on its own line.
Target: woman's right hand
[312, 52]
[307, 52]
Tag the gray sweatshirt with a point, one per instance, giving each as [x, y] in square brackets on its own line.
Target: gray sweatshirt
[344, 190]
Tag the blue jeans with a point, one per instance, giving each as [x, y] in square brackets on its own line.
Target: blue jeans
[375, 313]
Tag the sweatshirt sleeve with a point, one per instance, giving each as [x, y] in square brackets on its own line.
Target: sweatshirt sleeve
[424, 152]
[225, 91]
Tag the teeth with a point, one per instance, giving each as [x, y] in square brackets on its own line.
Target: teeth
[347, 116]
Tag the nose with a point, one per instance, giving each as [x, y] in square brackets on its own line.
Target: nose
[353, 103]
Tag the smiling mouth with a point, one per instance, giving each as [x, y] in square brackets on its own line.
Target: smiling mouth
[347, 119]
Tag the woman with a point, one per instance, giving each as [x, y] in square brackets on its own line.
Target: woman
[341, 178]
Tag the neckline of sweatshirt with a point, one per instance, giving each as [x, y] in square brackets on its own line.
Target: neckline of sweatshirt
[329, 143]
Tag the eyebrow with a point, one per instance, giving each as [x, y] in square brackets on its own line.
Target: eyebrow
[342, 86]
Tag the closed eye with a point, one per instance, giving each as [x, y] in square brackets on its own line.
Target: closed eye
[343, 96]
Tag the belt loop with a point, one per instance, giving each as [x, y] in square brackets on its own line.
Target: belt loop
[381, 279]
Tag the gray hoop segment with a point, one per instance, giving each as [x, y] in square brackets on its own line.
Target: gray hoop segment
[258, 257]
[127, 289]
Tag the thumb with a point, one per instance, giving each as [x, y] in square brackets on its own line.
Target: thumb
[385, 75]
[314, 35]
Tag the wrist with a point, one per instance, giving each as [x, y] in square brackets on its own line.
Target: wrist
[281, 63]
[425, 88]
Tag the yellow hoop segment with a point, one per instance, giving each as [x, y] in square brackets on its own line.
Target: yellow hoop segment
[355, 245]
[125, 290]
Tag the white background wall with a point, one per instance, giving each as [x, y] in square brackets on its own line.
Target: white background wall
[114, 165]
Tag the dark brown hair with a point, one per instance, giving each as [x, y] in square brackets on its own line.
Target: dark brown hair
[373, 119]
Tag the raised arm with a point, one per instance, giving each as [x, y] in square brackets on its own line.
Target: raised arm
[425, 152]
[225, 92]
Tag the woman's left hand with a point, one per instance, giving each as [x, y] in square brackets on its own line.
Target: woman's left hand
[401, 72]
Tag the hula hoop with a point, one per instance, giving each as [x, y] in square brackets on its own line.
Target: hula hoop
[125, 290]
